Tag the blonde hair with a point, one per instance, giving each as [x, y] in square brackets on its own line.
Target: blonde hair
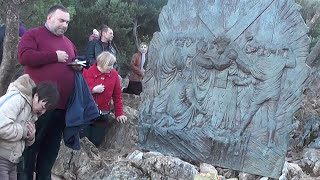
[105, 59]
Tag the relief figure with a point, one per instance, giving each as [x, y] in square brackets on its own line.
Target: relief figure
[267, 71]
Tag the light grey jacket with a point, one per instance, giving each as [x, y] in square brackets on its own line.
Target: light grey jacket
[14, 114]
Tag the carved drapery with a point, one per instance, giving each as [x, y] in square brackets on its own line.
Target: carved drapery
[223, 82]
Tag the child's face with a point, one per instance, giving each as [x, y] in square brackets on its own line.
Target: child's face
[38, 107]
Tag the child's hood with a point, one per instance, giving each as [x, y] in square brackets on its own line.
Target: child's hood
[24, 84]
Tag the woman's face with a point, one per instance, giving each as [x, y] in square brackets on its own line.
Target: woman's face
[105, 69]
[109, 68]
[143, 48]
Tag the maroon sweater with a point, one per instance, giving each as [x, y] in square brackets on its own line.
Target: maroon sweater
[37, 52]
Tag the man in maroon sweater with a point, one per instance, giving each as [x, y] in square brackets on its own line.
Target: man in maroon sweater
[45, 52]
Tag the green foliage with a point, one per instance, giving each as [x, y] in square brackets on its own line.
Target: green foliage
[34, 13]
[308, 10]
[315, 35]
[86, 15]
[147, 13]
[2, 12]
[115, 13]
[119, 15]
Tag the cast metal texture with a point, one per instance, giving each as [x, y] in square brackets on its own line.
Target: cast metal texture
[223, 81]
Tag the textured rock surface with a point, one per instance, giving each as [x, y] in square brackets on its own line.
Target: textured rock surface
[122, 161]
[207, 168]
[311, 161]
[110, 161]
[291, 171]
[157, 166]
[78, 164]
[89, 163]
[246, 176]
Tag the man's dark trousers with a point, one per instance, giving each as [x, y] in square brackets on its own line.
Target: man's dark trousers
[41, 156]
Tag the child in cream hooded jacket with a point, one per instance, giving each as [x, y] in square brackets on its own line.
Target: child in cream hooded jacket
[19, 110]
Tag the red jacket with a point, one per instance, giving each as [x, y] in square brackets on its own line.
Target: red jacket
[112, 88]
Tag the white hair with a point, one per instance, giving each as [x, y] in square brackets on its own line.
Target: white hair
[95, 32]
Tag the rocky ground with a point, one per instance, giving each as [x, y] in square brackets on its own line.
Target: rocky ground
[119, 158]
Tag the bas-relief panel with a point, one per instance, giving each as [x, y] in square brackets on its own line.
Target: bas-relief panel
[223, 82]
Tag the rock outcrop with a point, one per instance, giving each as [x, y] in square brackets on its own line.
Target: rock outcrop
[119, 158]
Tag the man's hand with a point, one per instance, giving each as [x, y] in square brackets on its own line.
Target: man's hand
[77, 67]
[122, 119]
[98, 89]
[62, 56]
[31, 131]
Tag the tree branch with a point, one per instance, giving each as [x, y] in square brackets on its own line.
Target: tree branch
[10, 46]
[135, 32]
[313, 22]
[313, 54]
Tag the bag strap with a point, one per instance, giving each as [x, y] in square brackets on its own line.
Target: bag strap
[8, 98]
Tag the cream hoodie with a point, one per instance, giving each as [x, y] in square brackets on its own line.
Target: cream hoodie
[14, 114]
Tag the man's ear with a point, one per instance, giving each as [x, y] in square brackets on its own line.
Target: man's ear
[103, 33]
[49, 17]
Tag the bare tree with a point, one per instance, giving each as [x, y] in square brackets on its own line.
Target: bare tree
[313, 22]
[313, 54]
[135, 32]
[10, 45]
[316, 49]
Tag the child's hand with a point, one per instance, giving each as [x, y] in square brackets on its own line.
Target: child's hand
[98, 89]
[122, 119]
[31, 131]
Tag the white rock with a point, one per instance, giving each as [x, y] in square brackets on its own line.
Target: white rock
[264, 178]
[207, 168]
[136, 155]
[246, 176]
[291, 171]
[311, 154]
[316, 169]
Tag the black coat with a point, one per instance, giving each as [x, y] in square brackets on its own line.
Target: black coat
[95, 47]
[2, 33]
